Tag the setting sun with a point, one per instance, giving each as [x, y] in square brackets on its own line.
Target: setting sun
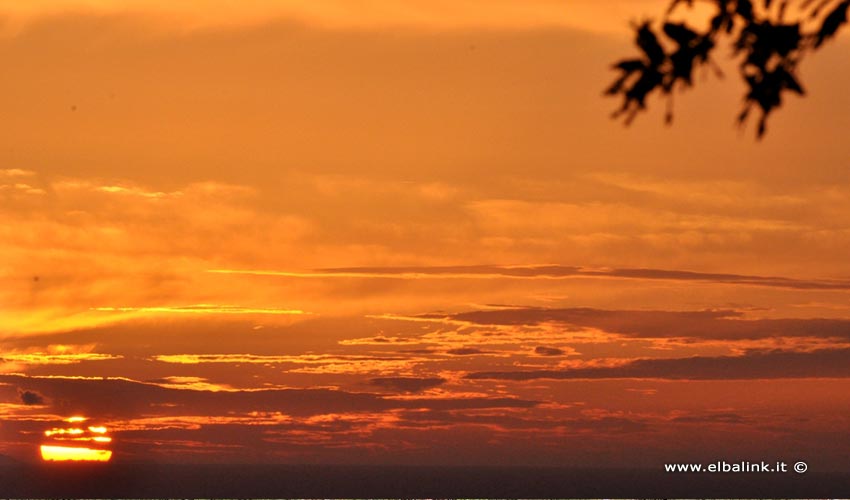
[72, 443]
[67, 453]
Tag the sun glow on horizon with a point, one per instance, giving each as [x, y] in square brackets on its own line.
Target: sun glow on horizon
[73, 454]
[76, 444]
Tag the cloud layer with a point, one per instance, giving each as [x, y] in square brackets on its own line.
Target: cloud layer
[825, 363]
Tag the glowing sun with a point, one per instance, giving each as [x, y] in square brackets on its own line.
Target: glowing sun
[77, 442]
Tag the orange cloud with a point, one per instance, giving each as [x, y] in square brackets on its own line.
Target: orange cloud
[824, 363]
[200, 309]
[318, 363]
[15, 361]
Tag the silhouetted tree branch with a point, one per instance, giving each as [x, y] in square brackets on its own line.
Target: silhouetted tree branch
[770, 38]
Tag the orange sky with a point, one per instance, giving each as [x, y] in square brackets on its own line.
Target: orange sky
[300, 232]
[369, 14]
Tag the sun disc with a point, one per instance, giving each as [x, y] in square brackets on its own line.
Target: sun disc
[73, 454]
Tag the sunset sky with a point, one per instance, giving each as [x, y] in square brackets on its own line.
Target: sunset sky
[386, 231]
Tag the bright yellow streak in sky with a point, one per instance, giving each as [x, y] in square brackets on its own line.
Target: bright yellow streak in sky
[66, 453]
[76, 419]
[201, 309]
[63, 431]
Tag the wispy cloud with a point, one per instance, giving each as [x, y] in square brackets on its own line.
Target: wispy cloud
[15, 182]
[407, 384]
[705, 325]
[16, 172]
[307, 363]
[201, 309]
[118, 397]
[40, 358]
[193, 359]
[190, 383]
[133, 191]
[548, 272]
[15, 360]
[824, 363]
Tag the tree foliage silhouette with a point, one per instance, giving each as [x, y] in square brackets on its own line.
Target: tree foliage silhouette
[769, 37]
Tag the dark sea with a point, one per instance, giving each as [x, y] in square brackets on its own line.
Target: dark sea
[312, 481]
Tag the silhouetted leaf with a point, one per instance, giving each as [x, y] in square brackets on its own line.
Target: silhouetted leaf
[703, 48]
[676, 3]
[816, 11]
[786, 38]
[683, 65]
[647, 82]
[717, 22]
[617, 86]
[744, 8]
[744, 114]
[762, 127]
[768, 47]
[789, 81]
[832, 22]
[630, 65]
[680, 33]
[648, 42]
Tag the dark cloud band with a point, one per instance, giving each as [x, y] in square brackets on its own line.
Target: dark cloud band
[824, 363]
